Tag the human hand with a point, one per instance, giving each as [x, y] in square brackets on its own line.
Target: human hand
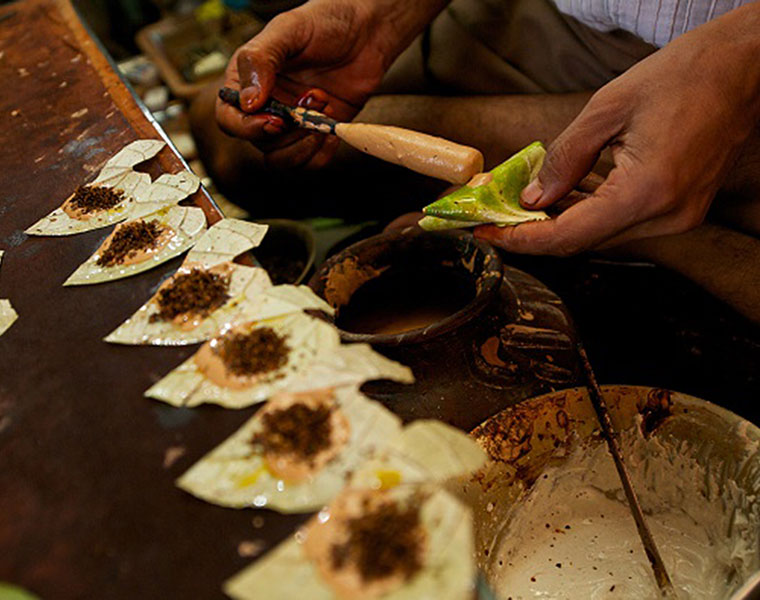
[675, 123]
[327, 55]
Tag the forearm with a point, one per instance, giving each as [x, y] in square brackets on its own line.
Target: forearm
[737, 34]
[402, 20]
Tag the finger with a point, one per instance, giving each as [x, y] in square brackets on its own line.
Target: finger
[325, 154]
[259, 60]
[587, 224]
[296, 155]
[572, 155]
[314, 99]
[283, 140]
[238, 124]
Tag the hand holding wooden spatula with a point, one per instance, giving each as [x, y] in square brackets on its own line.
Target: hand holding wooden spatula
[417, 151]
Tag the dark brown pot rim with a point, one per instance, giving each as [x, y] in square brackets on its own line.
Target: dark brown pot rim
[298, 230]
[488, 283]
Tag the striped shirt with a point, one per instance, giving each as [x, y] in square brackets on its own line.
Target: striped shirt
[655, 21]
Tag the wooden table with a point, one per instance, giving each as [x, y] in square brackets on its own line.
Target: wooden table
[88, 506]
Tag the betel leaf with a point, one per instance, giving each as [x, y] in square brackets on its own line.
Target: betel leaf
[447, 569]
[495, 200]
[236, 473]
[140, 196]
[213, 254]
[8, 316]
[184, 225]
[316, 359]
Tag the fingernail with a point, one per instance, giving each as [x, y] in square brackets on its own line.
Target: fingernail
[248, 97]
[532, 193]
[273, 126]
[308, 100]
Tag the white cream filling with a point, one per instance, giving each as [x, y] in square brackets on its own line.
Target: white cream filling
[574, 537]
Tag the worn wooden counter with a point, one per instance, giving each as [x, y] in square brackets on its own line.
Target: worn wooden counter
[88, 507]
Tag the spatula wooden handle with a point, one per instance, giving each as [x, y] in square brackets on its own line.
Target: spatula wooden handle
[417, 151]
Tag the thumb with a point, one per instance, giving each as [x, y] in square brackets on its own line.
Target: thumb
[569, 159]
[260, 59]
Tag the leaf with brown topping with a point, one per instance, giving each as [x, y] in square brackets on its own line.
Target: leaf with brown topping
[316, 360]
[439, 551]
[238, 472]
[153, 239]
[118, 193]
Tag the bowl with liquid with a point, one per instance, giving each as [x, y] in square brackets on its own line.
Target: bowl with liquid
[477, 334]
[408, 287]
[551, 518]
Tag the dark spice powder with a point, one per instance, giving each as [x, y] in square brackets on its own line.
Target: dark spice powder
[298, 429]
[198, 291]
[383, 542]
[260, 351]
[129, 239]
[89, 198]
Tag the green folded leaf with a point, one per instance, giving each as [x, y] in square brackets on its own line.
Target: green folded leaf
[438, 224]
[13, 592]
[496, 200]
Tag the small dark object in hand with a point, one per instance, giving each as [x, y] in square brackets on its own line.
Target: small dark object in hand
[232, 97]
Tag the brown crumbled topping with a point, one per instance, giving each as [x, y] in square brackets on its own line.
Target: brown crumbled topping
[130, 239]
[386, 541]
[260, 351]
[89, 198]
[198, 291]
[297, 429]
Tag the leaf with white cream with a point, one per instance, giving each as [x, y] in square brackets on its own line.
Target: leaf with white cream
[237, 473]
[8, 316]
[145, 327]
[250, 292]
[183, 226]
[118, 174]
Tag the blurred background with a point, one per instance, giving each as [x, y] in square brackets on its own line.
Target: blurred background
[169, 50]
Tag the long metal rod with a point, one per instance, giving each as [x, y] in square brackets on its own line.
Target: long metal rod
[610, 435]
